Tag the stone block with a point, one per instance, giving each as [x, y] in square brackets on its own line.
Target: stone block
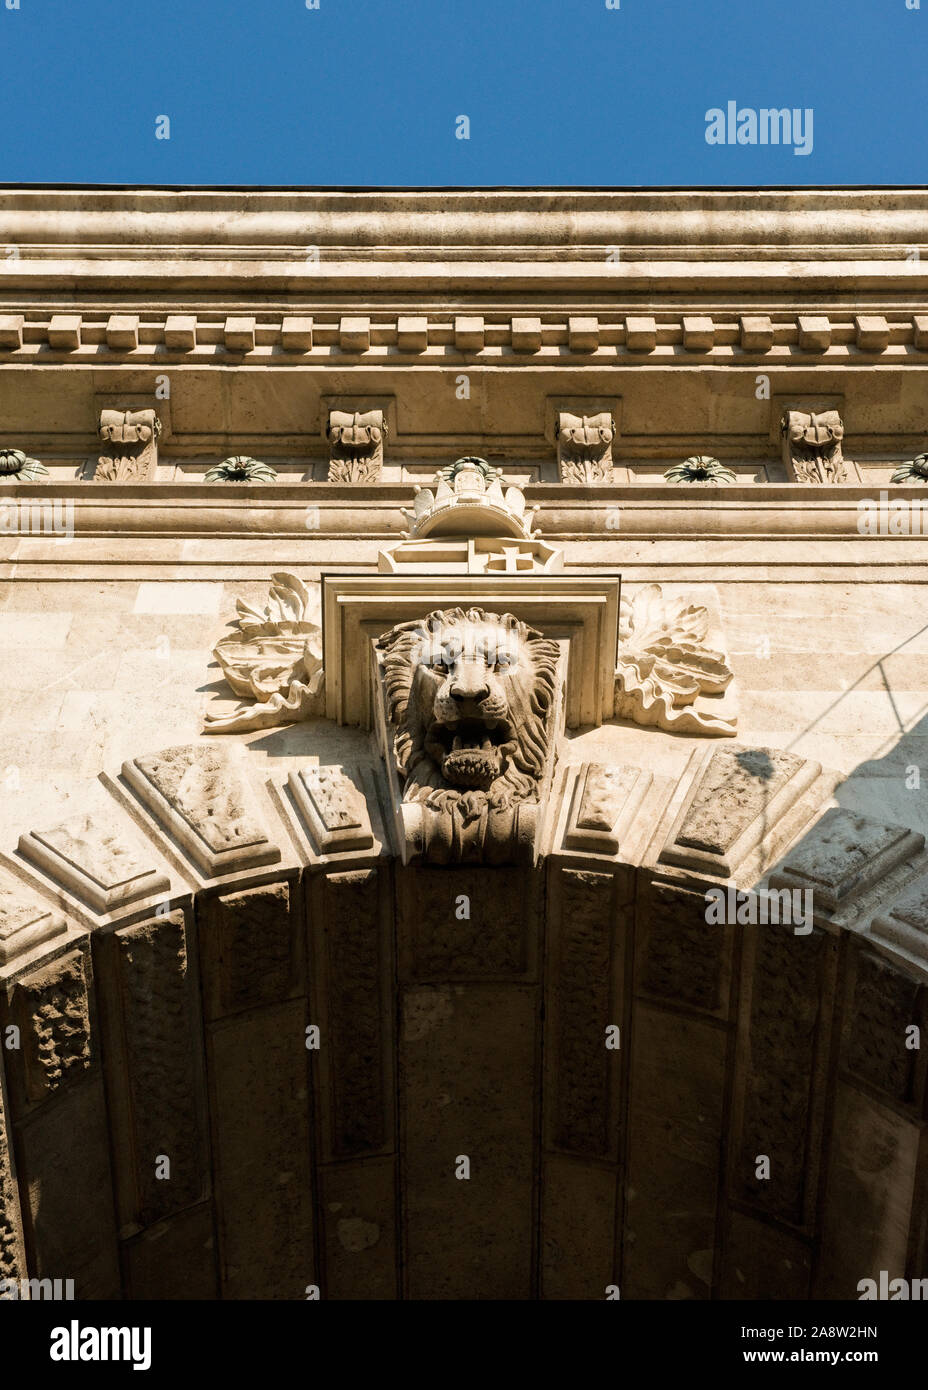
[582, 333]
[679, 956]
[412, 333]
[238, 333]
[122, 332]
[357, 1206]
[762, 1261]
[64, 331]
[872, 332]
[578, 1256]
[814, 332]
[350, 930]
[354, 334]
[296, 333]
[468, 922]
[526, 334]
[261, 1133]
[781, 1072]
[11, 330]
[467, 1067]
[869, 1196]
[677, 1100]
[180, 332]
[698, 333]
[756, 333]
[468, 333]
[175, 1260]
[640, 333]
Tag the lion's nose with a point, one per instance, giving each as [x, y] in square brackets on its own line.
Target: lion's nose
[470, 683]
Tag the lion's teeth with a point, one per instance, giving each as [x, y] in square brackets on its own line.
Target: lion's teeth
[487, 744]
[456, 745]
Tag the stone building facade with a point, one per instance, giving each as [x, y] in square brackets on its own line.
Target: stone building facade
[465, 683]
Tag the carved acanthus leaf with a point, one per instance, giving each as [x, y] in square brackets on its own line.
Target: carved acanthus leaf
[664, 666]
[275, 658]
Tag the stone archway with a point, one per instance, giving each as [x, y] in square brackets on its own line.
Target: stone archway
[160, 981]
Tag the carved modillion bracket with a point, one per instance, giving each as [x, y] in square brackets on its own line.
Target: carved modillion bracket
[131, 452]
[811, 443]
[356, 441]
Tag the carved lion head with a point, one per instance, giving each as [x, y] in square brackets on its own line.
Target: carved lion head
[469, 694]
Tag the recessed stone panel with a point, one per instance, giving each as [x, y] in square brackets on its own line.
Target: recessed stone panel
[883, 1006]
[175, 1259]
[762, 1261]
[150, 1008]
[51, 1007]
[586, 945]
[352, 954]
[467, 923]
[783, 1049]
[578, 1256]
[359, 1216]
[680, 957]
[251, 950]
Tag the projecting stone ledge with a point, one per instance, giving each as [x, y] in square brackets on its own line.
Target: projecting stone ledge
[24, 921]
[201, 802]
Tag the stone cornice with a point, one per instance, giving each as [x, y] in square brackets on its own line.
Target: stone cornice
[441, 224]
[428, 242]
[373, 514]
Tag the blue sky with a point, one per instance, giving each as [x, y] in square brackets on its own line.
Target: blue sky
[557, 92]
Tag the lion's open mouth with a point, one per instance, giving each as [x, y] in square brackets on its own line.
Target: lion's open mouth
[469, 751]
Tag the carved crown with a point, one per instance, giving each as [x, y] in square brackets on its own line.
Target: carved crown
[468, 500]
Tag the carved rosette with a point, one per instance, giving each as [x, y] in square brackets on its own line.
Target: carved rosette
[812, 447]
[584, 447]
[356, 441]
[470, 703]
